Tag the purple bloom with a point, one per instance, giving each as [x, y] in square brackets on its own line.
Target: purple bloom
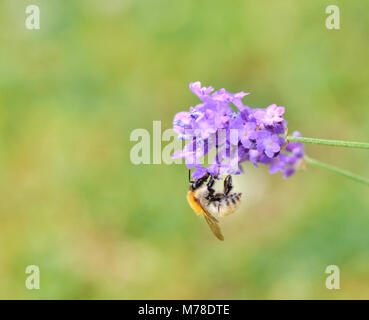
[270, 116]
[295, 145]
[279, 128]
[204, 125]
[181, 122]
[235, 137]
[254, 157]
[202, 93]
[221, 168]
[213, 169]
[269, 143]
[199, 172]
[277, 164]
[289, 172]
[298, 152]
[248, 134]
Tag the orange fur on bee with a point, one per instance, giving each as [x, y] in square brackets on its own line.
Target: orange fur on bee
[194, 204]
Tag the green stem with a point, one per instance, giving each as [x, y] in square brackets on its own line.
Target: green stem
[335, 143]
[334, 169]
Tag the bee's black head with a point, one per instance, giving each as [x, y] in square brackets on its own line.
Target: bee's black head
[197, 183]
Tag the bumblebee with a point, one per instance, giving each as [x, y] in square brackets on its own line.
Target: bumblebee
[205, 202]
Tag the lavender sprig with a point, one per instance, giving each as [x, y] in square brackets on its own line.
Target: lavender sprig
[339, 171]
[261, 136]
[334, 143]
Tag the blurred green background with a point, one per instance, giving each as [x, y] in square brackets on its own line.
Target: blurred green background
[98, 226]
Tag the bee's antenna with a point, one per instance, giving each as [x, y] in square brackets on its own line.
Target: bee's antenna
[189, 175]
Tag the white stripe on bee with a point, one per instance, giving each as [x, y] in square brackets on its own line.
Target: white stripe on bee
[225, 206]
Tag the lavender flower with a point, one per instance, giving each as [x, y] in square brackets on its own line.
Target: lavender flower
[270, 116]
[246, 135]
[269, 143]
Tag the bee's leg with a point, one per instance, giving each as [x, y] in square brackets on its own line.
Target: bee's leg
[210, 185]
[228, 184]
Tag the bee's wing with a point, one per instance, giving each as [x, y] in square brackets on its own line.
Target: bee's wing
[213, 224]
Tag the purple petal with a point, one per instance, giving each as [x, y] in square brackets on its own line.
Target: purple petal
[199, 173]
[288, 172]
[299, 153]
[280, 111]
[246, 143]
[259, 115]
[275, 147]
[177, 154]
[269, 152]
[276, 165]
[201, 92]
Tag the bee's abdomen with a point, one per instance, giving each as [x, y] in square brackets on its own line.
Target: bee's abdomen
[225, 205]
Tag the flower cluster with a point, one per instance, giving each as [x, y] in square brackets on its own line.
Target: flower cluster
[236, 132]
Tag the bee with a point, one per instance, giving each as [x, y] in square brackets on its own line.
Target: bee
[205, 202]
